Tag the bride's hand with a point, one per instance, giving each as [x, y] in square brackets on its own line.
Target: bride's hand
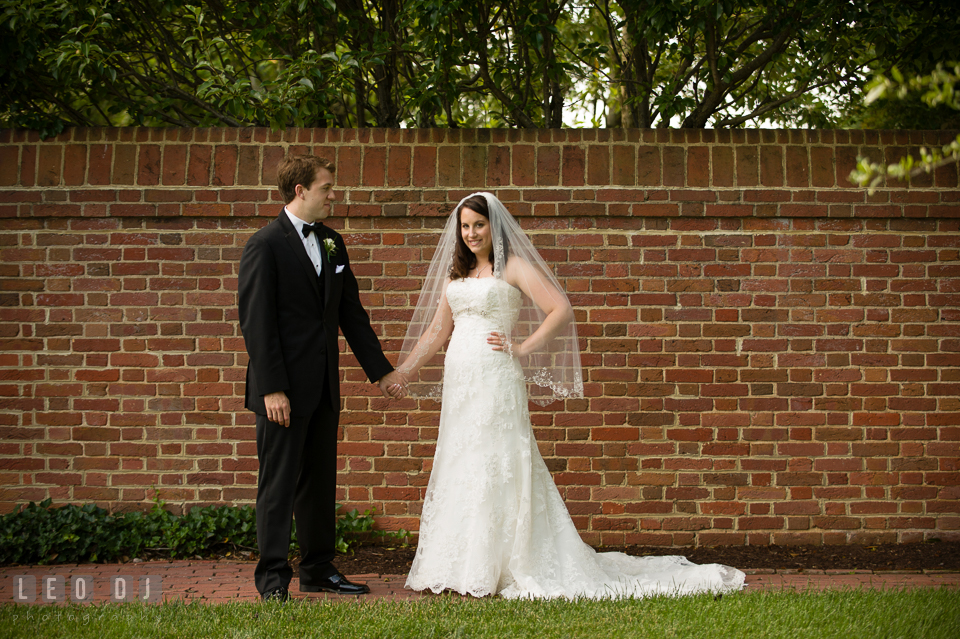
[393, 385]
[404, 383]
[500, 343]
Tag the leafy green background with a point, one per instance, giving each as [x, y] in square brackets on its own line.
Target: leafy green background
[464, 63]
[42, 534]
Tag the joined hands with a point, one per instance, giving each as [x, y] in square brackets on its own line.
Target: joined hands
[278, 404]
[393, 385]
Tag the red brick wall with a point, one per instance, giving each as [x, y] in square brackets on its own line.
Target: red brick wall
[770, 355]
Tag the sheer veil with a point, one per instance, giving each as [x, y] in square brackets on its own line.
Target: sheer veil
[551, 372]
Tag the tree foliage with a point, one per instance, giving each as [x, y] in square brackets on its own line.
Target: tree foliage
[164, 62]
[792, 62]
[939, 89]
[450, 63]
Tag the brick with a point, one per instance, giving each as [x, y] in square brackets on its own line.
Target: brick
[148, 165]
[424, 166]
[498, 166]
[798, 170]
[174, 165]
[821, 166]
[28, 165]
[673, 166]
[74, 164]
[748, 163]
[225, 165]
[198, 169]
[624, 169]
[573, 166]
[524, 165]
[648, 166]
[101, 160]
[722, 165]
[755, 369]
[48, 166]
[448, 166]
[474, 166]
[9, 165]
[374, 166]
[598, 164]
[248, 165]
[771, 166]
[698, 166]
[271, 160]
[348, 164]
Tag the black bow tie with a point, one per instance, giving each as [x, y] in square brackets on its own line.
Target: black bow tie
[307, 228]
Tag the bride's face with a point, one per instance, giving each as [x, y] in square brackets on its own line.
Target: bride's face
[475, 231]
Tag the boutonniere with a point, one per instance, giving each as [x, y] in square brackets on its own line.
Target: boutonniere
[330, 247]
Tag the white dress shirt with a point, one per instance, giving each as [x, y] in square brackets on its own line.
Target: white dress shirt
[311, 242]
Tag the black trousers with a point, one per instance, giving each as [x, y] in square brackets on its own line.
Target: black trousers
[298, 477]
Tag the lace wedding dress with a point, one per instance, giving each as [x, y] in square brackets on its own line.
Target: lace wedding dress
[493, 521]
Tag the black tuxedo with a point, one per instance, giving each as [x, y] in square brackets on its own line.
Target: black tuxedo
[289, 318]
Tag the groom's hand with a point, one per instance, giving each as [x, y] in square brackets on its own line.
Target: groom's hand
[393, 385]
[278, 408]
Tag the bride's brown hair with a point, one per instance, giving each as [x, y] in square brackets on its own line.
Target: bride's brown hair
[463, 257]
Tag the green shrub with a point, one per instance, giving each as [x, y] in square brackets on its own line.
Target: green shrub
[41, 534]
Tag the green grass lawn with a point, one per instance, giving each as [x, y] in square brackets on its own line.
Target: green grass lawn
[846, 614]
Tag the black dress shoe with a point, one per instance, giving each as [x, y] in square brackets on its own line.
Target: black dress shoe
[277, 594]
[335, 583]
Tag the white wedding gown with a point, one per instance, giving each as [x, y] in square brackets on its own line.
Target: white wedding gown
[493, 521]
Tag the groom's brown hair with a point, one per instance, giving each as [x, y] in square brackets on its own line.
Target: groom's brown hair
[299, 169]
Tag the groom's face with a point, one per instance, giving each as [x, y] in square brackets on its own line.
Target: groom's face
[317, 197]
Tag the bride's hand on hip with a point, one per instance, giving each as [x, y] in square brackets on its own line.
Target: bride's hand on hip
[501, 343]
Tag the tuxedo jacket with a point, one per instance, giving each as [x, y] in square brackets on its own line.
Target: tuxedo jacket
[290, 328]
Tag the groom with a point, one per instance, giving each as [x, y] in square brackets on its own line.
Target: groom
[295, 290]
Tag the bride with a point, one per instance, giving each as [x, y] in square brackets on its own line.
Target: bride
[493, 521]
